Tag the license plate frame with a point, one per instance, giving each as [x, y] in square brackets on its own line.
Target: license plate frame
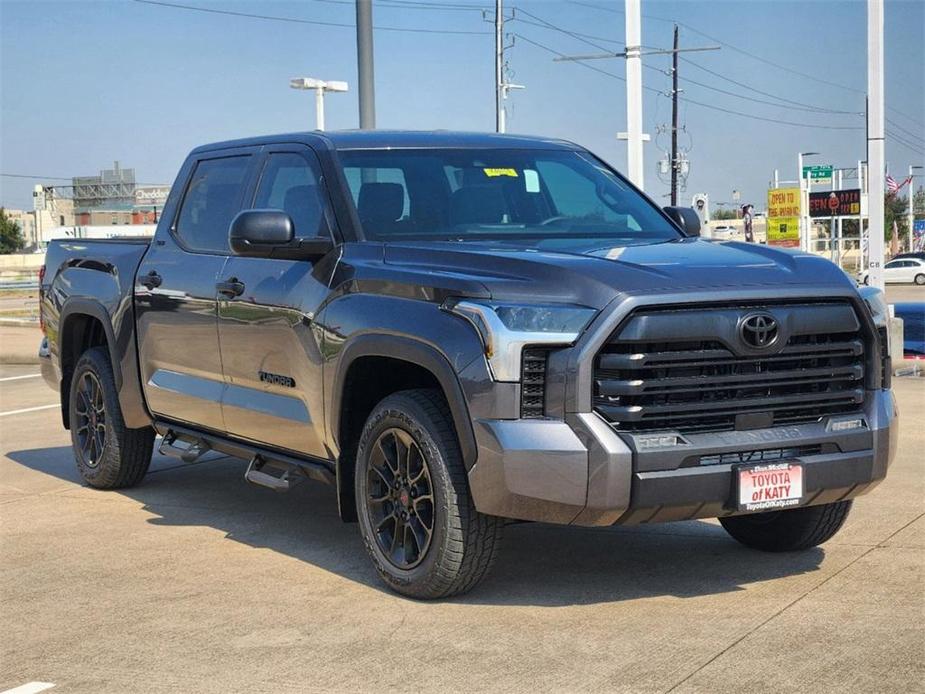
[768, 486]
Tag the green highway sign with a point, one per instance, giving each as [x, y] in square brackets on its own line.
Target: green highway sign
[818, 173]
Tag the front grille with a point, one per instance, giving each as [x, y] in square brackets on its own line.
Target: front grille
[684, 369]
[533, 384]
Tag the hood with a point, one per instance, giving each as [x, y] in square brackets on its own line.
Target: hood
[591, 274]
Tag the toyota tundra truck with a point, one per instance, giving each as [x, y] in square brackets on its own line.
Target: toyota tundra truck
[456, 331]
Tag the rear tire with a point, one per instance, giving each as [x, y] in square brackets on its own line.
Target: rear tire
[108, 455]
[919, 279]
[790, 530]
[417, 519]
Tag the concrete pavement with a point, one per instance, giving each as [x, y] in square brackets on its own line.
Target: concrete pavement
[195, 581]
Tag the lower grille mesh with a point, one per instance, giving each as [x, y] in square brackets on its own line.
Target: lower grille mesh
[533, 384]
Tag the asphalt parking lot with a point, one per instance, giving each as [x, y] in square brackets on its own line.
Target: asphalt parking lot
[196, 581]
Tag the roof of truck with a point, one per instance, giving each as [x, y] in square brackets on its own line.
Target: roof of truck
[399, 139]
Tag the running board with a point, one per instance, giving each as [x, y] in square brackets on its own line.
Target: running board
[189, 450]
[280, 477]
[267, 467]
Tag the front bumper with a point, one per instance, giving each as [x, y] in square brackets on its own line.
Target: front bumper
[580, 471]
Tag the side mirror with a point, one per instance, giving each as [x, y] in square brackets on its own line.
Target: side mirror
[686, 218]
[270, 234]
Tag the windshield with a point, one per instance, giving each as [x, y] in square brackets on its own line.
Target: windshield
[497, 195]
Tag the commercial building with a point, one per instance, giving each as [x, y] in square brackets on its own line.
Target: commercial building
[111, 198]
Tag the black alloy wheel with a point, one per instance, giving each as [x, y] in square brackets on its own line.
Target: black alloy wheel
[90, 409]
[400, 499]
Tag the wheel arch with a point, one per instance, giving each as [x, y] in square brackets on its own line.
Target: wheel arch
[83, 324]
[408, 363]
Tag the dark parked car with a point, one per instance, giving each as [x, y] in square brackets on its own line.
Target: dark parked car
[913, 315]
[455, 330]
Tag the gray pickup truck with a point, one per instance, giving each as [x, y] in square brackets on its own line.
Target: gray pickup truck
[455, 330]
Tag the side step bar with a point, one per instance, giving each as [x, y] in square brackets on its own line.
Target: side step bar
[268, 468]
[280, 477]
[187, 450]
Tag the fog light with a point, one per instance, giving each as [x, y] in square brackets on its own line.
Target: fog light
[658, 441]
[846, 424]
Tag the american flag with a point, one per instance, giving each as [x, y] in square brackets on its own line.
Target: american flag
[893, 187]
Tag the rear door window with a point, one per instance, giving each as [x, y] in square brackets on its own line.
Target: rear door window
[213, 197]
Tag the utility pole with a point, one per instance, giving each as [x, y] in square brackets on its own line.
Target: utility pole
[875, 139]
[499, 66]
[367, 95]
[912, 204]
[634, 136]
[674, 121]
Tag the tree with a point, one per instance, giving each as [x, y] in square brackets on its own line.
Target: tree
[895, 209]
[720, 213]
[11, 239]
[918, 202]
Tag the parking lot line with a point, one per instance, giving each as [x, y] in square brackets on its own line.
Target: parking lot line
[30, 688]
[23, 411]
[18, 378]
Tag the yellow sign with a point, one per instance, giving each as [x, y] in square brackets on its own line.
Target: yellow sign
[491, 173]
[784, 217]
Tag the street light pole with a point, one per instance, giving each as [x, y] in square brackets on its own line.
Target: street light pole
[319, 87]
[319, 108]
[367, 96]
[804, 201]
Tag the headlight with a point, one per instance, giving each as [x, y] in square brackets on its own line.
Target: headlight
[876, 302]
[506, 328]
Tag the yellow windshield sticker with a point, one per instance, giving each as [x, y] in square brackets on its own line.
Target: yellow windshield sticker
[491, 173]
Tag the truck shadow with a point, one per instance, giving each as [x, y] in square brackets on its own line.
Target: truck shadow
[540, 565]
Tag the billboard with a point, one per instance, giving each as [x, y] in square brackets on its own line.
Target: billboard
[151, 196]
[783, 217]
[836, 203]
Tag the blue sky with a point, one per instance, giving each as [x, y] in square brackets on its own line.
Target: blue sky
[85, 83]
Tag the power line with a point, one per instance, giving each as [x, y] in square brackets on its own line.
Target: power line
[579, 62]
[750, 55]
[584, 38]
[808, 107]
[801, 106]
[726, 44]
[296, 20]
[410, 5]
[66, 178]
[906, 132]
[697, 103]
[908, 145]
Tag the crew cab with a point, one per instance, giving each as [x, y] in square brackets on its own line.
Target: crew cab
[455, 331]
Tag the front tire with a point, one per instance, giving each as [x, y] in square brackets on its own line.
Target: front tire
[790, 530]
[417, 519]
[108, 455]
[919, 279]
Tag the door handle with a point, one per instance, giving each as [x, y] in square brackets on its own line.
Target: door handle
[151, 280]
[230, 288]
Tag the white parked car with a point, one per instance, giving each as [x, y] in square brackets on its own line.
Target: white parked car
[723, 232]
[902, 270]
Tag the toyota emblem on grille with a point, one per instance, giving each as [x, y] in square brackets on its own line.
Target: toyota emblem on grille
[759, 330]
